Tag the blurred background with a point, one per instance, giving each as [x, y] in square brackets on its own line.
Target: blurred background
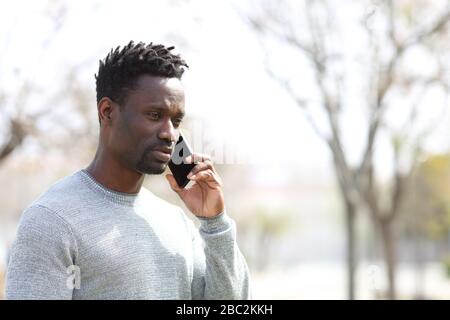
[327, 120]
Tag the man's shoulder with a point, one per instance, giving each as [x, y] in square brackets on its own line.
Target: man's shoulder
[47, 211]
[62, 194]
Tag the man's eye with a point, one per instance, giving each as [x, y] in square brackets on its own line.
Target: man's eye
[177, 122]
[153, 115]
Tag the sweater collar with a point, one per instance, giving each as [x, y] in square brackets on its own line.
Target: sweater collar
[122, 198]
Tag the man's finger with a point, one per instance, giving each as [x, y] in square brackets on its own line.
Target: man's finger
[207, 176]
[200, 158]
[202, 175]
[197, 157]
[199, 167]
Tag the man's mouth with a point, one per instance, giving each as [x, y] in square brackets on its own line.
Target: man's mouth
[162, 153]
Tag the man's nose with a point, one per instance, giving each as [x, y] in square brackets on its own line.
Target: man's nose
[168, 131]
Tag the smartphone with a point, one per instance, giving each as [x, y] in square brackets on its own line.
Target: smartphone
[179, 169]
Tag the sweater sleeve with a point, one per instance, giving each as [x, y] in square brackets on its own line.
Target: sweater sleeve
[220, 270]
[42, 261]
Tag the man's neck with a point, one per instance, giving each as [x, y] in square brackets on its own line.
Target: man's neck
[112, 175]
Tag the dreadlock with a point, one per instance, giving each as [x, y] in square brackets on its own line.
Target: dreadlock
[121, 68]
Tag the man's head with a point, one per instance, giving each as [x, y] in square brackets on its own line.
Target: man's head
[140, 101]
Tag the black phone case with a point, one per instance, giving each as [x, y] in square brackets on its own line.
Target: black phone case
[179, 169]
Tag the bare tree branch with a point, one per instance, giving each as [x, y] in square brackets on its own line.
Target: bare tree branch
[420, 36]
[357, 184]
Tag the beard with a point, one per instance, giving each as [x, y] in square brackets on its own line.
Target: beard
[150, 165]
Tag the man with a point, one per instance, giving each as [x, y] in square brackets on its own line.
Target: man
[98, 234]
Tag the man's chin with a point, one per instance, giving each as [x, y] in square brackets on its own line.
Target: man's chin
[156, 168]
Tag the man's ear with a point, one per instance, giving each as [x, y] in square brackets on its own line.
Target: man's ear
[105, 109]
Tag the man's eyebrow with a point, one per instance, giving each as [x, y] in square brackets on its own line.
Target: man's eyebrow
[155, 106]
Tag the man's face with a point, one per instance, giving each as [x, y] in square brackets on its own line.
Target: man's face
[148, 120]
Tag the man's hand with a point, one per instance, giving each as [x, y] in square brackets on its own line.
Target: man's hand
[205, 197]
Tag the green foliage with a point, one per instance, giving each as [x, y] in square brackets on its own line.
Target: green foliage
[267, 226]
[447, 265]
[273, 222]
[429, 200]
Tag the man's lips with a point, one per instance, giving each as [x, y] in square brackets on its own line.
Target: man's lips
[163, 153]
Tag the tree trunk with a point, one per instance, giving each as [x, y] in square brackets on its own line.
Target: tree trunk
[389, 256]
[351, 256]
[419, 263]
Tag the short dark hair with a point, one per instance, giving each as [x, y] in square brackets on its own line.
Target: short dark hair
[120, 69]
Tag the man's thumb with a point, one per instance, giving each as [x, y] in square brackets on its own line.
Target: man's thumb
[173, 183]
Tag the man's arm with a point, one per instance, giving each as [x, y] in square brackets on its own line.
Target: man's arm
[41, 264]
[220, 270]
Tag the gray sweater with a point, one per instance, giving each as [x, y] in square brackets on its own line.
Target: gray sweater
[80, 240]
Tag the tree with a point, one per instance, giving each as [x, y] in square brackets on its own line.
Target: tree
[319, 40]
[19, 120]
[268, 226]
[428, 212]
